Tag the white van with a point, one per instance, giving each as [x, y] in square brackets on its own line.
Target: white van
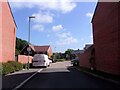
[40, 60]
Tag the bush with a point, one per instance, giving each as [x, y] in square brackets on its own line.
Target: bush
[24, 66]
[0, 68]
[17, 66]
[7, 68]
[60, 60]
[11, 66]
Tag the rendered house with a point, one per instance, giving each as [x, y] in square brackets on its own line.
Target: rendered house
[7, 33]
[106, 34]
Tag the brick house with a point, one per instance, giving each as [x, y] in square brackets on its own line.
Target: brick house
[37, 50]
[7, 33]
[84, 57]
[23, 56]
[106, 34]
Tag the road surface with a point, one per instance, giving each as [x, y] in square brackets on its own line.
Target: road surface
[62, 75]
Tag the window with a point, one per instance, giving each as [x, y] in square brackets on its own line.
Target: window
[25, 52]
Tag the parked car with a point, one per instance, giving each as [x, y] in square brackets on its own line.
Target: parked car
[75, 62]
[41, 60]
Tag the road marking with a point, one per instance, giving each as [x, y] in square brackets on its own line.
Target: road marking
[21, 84]
[40, 70]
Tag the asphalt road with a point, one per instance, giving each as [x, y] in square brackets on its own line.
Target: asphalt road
[62, 75]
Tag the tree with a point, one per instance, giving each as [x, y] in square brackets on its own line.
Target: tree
[68, 54]
[20, 44]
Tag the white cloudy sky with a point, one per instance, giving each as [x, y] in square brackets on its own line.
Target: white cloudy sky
[60, 23]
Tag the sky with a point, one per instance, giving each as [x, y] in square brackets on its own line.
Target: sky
[62, 24]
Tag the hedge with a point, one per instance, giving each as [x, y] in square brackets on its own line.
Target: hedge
[60, 60]
[11, 66]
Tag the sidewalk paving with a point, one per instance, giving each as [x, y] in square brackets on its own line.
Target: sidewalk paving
[10, 81]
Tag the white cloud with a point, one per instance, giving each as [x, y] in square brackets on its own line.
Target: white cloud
[40, 19]
[65, 38]
[57, 28]
[43, 17]
[50, 42]
[61, 0]
[89, 15]
[63, 6]
[38, 27]
[64, 35]
[67, 41]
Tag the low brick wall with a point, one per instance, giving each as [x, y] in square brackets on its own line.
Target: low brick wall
[84, 58]
[24, 59]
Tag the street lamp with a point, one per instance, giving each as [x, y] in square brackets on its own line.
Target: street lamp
[55, 55]
[28, 49]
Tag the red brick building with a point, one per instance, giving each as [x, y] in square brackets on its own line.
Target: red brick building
[106, 34]
[23, 56]
[84, 58]
[7, 33]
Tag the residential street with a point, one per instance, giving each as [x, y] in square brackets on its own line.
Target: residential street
[59, 44]
[62, 75]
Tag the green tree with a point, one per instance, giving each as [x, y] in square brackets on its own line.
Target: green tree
[68, 54]
[20, 44]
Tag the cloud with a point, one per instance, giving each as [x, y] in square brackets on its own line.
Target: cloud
[64, 35]
[64, 6]
[67, 41]
[89, 15]
[50, 42]
[65, 38]
[38, 27]
[57, 28]
[42, 17]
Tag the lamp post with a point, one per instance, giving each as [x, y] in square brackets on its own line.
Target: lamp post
[29, 49]
[55, 55]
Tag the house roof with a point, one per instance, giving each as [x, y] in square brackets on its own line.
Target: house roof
[77, 51]
[37, 48]
[88, 46]
[41, 48]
